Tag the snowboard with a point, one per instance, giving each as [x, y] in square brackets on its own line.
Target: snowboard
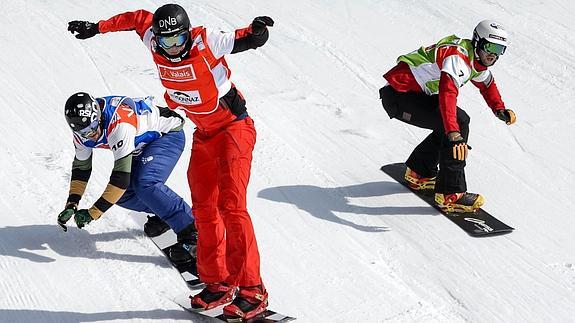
[217, 313]
[476, 224]
[164, 242]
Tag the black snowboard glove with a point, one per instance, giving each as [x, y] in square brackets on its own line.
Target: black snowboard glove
[259, 24]
[458, 145]
[82, 217]
[84, 29]
[65, 215]
[506, 115]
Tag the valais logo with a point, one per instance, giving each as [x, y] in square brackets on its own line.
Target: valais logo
[177, 74]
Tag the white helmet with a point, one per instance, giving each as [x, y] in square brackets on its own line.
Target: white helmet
[491, 37]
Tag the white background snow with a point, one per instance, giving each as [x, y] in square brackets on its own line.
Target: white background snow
[339, 240]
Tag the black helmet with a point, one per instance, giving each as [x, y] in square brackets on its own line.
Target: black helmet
[82, 113]
[170, 19]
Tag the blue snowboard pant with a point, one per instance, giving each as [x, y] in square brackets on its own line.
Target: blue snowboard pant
[148, 192]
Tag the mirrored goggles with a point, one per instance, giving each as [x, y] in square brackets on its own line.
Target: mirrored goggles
[171, 41]
[89, 131]
[493, 48]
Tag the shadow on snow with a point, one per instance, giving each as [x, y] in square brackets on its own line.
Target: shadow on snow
[23, 241]
[322, 202]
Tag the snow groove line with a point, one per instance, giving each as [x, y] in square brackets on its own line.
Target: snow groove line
[341, 58]
[13, 286]
[108, 87]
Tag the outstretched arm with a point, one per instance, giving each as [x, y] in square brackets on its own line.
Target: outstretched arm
[117, 185]
[490, 93]
[448, 92]
[81, 171]
[139, 20]
[253, 36]
[119, 182]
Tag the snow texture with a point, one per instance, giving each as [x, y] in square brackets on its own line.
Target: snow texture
[339, 240]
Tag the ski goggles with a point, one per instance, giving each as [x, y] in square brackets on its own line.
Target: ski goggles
[89, 131]
[493, 48]
[171, 41]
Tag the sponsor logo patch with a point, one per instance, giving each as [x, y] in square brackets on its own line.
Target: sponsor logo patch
[146, 160]
[168, 22]
[497, 37]
[177, 74]
[406, 116]
[185, 97]
[479, 224]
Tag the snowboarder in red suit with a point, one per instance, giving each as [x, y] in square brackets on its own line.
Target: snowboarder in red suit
[192, 67]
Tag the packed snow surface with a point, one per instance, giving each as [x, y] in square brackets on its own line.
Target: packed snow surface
[339, 240]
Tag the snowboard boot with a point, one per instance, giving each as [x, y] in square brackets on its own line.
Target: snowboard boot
[459, 202]
[213, 295]
[418, 183]
[249, 303]
[155, 226]
[184, 251]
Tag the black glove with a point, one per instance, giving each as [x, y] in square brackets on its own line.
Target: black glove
[458, 145]
[65, 215]
[259, 24]
[82, 217]
[84, 29]
[506, 115]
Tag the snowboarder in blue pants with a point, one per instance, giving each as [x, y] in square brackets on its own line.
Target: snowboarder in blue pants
[147, 142]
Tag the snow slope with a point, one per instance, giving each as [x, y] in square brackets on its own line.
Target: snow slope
[339, 240]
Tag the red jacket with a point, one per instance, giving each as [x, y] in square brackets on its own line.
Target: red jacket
[196, 83]
[401, 79]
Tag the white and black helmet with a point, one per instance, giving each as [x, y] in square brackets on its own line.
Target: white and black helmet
[491, 37]
[82, 113]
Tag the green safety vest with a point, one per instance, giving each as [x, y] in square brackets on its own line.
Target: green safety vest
[424, 68]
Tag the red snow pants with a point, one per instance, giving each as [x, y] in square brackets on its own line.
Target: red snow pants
[218, 176]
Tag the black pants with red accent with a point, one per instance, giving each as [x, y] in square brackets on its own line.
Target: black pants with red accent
[422, 110]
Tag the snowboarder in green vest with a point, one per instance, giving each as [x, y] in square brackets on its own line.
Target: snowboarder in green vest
[422, 91]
